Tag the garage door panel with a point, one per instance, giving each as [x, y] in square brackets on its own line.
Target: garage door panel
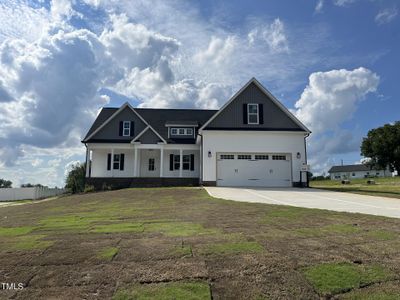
[245, 172]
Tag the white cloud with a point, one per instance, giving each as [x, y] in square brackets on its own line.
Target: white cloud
[386, 15]
[273, 34]
[319, 6]
[330, 99]
[218, 51]
[343, 2]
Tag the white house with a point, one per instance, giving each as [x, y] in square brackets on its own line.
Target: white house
[356, 171]
[253, 140]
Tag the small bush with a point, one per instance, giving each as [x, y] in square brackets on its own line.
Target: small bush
[89, 188]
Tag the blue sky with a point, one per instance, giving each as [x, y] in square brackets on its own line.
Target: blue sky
[333, 63]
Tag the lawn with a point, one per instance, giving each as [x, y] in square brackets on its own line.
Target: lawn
[180, 243]
[385, 187]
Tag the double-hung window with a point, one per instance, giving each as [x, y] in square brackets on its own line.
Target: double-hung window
[176, 162]
[252, 113]
[116, 162]
[186, 162]
[126, 128]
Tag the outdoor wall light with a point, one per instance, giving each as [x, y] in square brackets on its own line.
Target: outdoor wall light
[209, 153]
[298, 155]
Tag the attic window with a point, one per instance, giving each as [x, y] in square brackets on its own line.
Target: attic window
[252, 113]
[127, 128]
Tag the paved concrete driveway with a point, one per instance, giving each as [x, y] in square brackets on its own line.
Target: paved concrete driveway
[312, 198]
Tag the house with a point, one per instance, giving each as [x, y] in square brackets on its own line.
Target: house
[253, 140]
[356, 171]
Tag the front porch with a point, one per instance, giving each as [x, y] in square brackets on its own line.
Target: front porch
[143, 164]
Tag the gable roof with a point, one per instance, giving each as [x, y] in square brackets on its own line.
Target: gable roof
[350, 168]
[268, 94]
[156, 120]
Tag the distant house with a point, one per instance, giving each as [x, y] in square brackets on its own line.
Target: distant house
[356, 171]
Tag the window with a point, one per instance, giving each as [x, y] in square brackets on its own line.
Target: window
[353, 174]
[186, 162]
[176, 162]
[227, 156]
[252, 114]
[151, 164]
[116, 161]
[377, 173]
[262, 157]
[126, 128]
[181, 131]
[244, 156]
[278, 157]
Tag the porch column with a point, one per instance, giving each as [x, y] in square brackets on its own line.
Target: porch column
[180, 162]
[112, 162]
[162, 162]
[135, 167]
[87, 163]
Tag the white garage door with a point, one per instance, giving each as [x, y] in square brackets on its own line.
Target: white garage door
[249, 169]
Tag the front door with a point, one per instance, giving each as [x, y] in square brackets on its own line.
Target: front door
[150, 163]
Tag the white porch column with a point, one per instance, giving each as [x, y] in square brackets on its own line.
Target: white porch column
[162, 162]
[87, 162]
[135, 167]
[180, 162]
[112, 162]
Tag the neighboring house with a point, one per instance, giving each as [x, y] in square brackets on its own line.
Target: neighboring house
[253, 140]
[356, 171]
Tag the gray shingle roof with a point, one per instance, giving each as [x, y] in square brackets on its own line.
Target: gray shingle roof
[350, 168]
[158, 118]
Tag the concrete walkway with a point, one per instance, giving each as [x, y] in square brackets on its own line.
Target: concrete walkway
[312, 198]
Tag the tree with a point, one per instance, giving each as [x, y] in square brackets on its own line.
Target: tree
[382, 147]
[76, 178]
[5, 183]
[26, 185]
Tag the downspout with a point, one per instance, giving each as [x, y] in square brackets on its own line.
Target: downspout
[201, 158]
[305, 156]
[86, 162]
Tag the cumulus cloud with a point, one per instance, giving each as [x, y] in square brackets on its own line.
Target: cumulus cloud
[386, 15]
[330, 99]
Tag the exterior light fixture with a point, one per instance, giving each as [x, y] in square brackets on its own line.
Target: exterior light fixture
[209, 154]
[298, 155]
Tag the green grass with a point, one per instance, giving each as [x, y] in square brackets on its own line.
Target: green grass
[161, 291]
[341, 229]
[117, 227]
[181, 251]
[67, 222]
[107, 253]
[332, 278]
[27, 242]
[175, 229]
[383, 235]
[15, 231]
[386, 187]
[233, 248]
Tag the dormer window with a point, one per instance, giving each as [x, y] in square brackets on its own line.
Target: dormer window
[252, 113]
[126, 128]
[182, 131]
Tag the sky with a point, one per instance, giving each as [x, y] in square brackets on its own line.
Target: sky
[333, 63]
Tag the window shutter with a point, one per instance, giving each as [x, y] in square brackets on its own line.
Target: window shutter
[132, 128]
[109, 161]
[121, 124]
[260, 114]
[171, 162]
[191, 162]
[121, 161]
[245, 113]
